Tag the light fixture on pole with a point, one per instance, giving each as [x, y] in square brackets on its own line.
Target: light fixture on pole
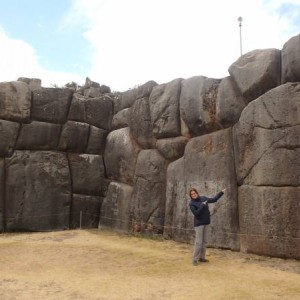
[240, 20]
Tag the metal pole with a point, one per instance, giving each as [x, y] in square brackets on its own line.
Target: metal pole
[240, 20]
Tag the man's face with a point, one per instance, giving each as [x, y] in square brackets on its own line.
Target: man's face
[194, 195]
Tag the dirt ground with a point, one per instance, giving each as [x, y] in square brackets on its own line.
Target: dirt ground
[104, 265]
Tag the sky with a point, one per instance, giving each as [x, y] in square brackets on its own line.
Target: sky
[125, 43]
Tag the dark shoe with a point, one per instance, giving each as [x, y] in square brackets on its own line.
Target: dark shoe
[203, 260]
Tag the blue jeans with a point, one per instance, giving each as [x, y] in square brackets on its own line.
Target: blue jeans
[200, 242]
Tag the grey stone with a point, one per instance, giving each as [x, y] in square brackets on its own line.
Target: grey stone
[172, 148]
[74, 137]
[38, 136]
[85, 211]
[164, 109]
[87, 174]
[145, 89]
[115, 209]
[37, 191]
[121, 119]
[140, 123]
[15, 101]
[77, 110]
[290, 60]
[120, 156]
[99, 112]
[8, 137]
[257, 72]
[2, 180]
[34, 83]
[148, 196]
[198, 106]
[96, 141]
[269, 220]
[125, 100]
[51, 105]
[268, 133]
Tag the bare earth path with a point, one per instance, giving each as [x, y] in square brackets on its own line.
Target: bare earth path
[98, 264]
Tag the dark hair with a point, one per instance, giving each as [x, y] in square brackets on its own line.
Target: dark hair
[193, 190]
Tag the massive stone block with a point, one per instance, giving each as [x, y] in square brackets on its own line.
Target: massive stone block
[87, 174]
[230, 103]
[140, 123]
[115, 209]
[120, 156]
[85, 211]
[290, 60]
[77, 110]
[37, 191]
[198, 106]
[121, 119]
[96, 141]
[257, 72]
[172, 148]
[209, 167]
[268, 133]
[148, 197]
[8, 137]
[99, 112]
[38, 136]
[51, 105]
[164, 109]
[269, 220]
[15, 101]
[74, 137]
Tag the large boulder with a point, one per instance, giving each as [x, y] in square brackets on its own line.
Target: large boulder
[120, 156]
[96, 141]
[172, 148]
[74, 137]
[8, 136]
[140, 123]
[115, 209]
[148, 196]
[121, 119]
[230, 103]
[38, 136]
[257, 72]
[77, 110]
[87, 172]
[37, 191]
[290, 60]
[51, 104]
[15, 101]
[198, 106]
[164, 109]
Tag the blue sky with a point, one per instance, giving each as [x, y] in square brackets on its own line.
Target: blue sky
[124, 43]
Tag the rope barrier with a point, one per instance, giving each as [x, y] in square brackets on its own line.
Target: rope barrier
[141, 223]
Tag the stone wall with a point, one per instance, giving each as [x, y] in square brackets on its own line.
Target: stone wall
[71, 158]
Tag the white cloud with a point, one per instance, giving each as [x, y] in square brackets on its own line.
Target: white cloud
[19, 59]
[135, 41]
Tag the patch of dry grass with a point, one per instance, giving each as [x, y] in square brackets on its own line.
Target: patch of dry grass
[98, 264]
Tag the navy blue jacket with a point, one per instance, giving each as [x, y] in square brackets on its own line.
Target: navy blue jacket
[201, 211]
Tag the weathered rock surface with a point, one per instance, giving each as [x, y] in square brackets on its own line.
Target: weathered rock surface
[96, 141]
[38, 136]
[121, 119]
[148, 196]
[120, 156]
[140, 123]
[51, 105]
[269, 220]
[164, 109]
[88, 173]
[257, 72]
[8, 137]
[198, 105]
[15, 101]
[2, 178]
[290, 60]
[37, 191]
[172, 148]
[115, 209]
